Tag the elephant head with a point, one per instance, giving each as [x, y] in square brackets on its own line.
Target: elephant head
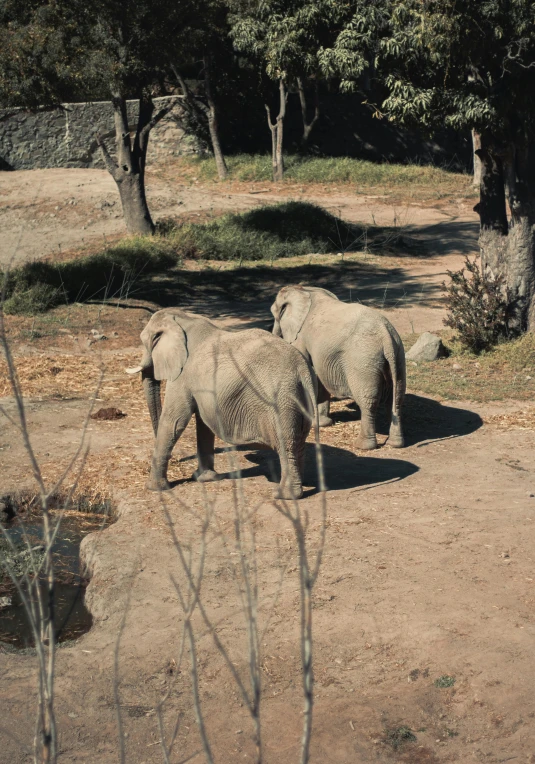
[165, 354]
[291, 308]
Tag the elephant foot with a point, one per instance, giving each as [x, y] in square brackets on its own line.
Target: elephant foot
[158, 485]
[325, 421]
[367, 444]
[206, 476]
[288, 492]
[395, 441]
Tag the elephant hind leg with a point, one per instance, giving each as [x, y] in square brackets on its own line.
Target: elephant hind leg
[324, 403]
[393, 407]
[368, 405]
[205, 472]
[292, 464]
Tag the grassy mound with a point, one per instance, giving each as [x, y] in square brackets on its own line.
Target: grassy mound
[267, 233]
[303, 169]
[39, 286]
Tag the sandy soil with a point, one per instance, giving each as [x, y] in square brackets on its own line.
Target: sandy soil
[428, 571]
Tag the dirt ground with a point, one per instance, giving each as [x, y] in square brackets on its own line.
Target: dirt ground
[427, 573]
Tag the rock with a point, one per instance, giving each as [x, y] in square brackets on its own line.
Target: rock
[5, 602]
[457, 367]
[428, 347]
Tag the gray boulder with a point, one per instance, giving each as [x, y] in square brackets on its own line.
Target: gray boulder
[428, 347]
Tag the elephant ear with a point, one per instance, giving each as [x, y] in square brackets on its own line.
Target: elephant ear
[293, 312]
[325, 291]
[170, 352]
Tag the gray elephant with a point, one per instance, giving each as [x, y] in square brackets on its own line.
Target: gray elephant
[244, 387]
[355, 352]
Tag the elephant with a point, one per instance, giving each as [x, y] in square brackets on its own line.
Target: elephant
[354, 350]
[243, 386]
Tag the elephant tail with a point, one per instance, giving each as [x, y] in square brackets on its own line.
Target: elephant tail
[395, 357]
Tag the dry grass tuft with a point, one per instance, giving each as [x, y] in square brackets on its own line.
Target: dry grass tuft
[516, 420]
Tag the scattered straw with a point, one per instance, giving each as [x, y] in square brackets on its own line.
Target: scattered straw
[516, 420]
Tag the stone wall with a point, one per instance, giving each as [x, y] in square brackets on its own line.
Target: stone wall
[65, 136]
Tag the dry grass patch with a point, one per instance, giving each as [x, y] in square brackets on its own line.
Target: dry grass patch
[505, 372]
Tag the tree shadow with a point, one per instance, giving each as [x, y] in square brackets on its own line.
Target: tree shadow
[424, 420]
[247, 293]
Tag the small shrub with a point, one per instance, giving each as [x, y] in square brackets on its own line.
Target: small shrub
[445, 681]
[398, 736]
[478, 307]
[36, 298]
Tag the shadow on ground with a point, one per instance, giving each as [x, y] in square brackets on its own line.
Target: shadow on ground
[342, 468]
[424, 420]
[247, 293]
[449, 237]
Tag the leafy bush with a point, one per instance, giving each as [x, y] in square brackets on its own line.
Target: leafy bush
[36, 298]
[40, 285]
[478, 307]
[267, 233]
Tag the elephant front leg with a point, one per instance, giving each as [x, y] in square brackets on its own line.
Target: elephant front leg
[205, 452]
[170, 429]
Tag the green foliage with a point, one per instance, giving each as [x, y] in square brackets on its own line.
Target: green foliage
[56, 50]
[445, 681]
[398, 736]
[479, 307]
[356, 46]
[284, 36]
[465, 65]
[28, 299]
[267, 233]
[39, 286]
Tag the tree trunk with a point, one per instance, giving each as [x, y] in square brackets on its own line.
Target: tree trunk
[308, 126]
[220, 163]
[508, 248]
[128, 169]
[277, 129]
[135, 209]
[476, 145]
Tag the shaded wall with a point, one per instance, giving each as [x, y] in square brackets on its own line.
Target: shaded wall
[65, 136]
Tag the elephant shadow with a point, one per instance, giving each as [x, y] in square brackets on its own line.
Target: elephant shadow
[342, 469]
[423, 420]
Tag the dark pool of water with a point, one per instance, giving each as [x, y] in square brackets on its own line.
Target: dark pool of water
[72, 617]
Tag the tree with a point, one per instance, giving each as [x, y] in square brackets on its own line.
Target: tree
[283, 38]
[471, 66]
[120, 47]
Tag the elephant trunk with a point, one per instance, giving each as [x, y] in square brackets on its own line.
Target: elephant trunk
[277, 328]
[151, 388]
